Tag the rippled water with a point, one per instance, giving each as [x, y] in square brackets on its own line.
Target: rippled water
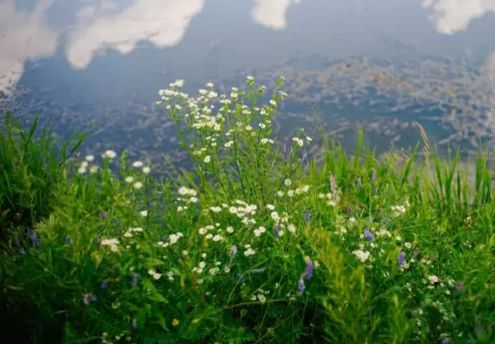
[381, 64]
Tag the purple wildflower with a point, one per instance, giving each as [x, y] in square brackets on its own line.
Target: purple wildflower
[460, 286]
[89, 298]
[301, 286]
[402, 259]
[276, 231]
[368, 235]
[307, 215]
[308, 272]
[444, 341]
[104, 284]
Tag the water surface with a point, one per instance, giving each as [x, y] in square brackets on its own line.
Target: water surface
[383, 65]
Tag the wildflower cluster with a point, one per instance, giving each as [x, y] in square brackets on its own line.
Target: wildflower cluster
[186, 196]
[113, 244]
[87, 165]
[399, 209]
[291, 192]
[250, 244]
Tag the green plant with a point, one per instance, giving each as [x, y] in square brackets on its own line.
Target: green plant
[255, 243]
[31, 167]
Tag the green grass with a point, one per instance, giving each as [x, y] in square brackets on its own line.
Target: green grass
[30, 170]
[255, 243]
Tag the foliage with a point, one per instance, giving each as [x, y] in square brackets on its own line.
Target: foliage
[256, 243]
[31, 168]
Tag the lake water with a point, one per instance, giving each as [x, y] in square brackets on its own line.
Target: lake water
[378, 64]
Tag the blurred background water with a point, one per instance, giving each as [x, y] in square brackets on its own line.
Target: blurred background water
[382, 65]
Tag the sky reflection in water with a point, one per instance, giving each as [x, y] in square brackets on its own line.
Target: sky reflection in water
[92, 56]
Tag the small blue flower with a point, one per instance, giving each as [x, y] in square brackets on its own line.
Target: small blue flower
[368, 235]
[401, 259]
[301, 286]
[308, 272]
[276, 231]
[307, 215]
[104, 284]
[444, 341]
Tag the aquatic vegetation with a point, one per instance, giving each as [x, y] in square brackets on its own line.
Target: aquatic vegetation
[256, 242]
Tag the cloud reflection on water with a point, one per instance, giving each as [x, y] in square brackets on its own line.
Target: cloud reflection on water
[23, 36]
[101, 25]
[161, 22]
[451, 16]
[272, 13]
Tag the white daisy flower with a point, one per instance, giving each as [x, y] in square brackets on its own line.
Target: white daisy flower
[109, 154]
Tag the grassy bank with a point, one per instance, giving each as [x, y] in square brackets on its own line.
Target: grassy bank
[255, 243]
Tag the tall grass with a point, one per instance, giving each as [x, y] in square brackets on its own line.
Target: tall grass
[32, 176]
[256, 243]
[31, 168]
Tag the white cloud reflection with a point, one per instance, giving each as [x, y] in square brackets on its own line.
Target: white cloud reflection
[161, 22]
[114, 24]
[272, 13]
[451, 16]
[23, 36]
